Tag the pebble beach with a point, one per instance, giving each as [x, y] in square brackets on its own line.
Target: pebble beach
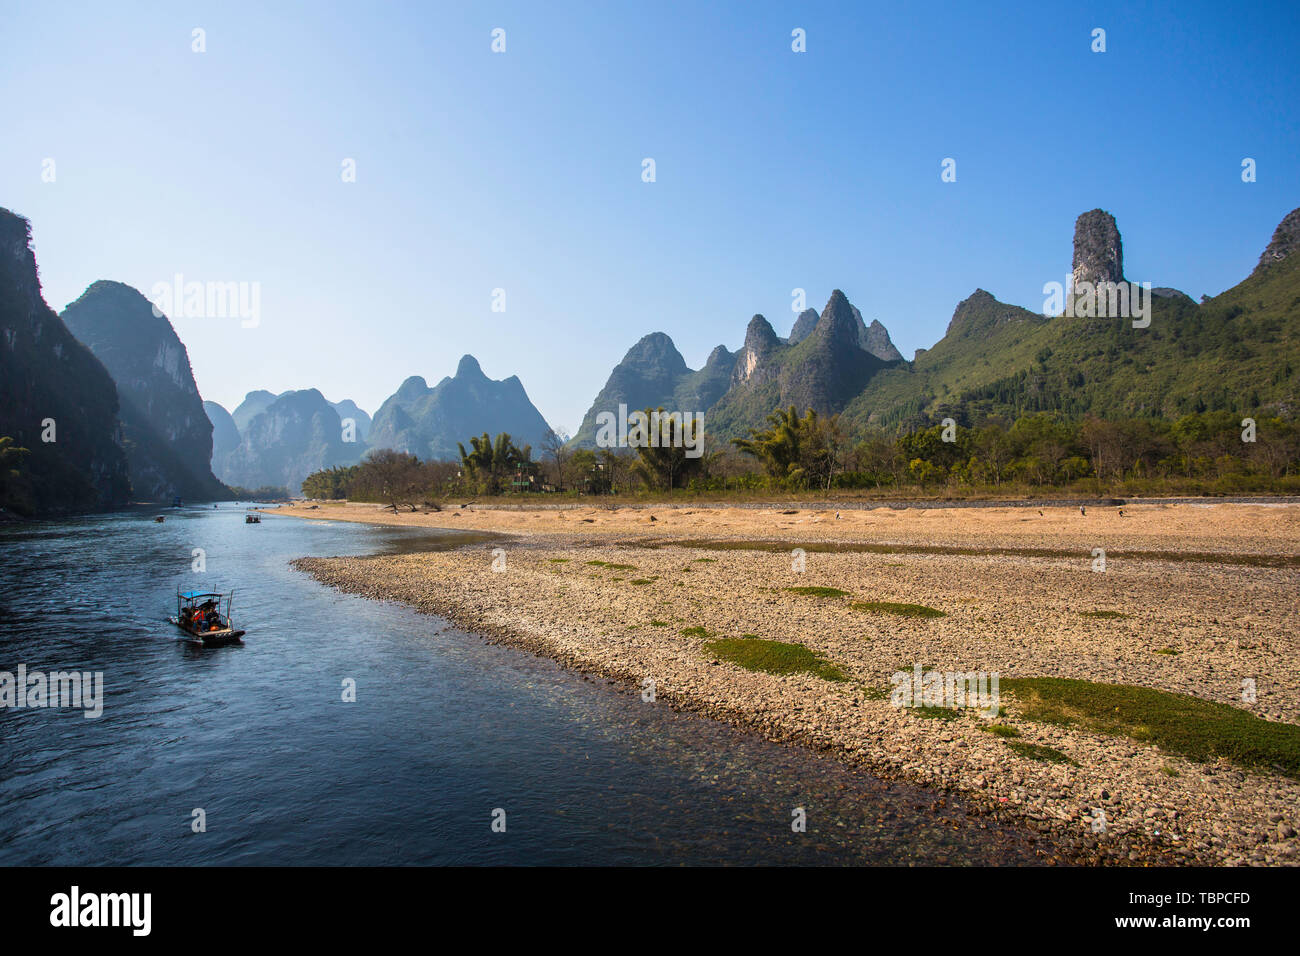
[1190, 599]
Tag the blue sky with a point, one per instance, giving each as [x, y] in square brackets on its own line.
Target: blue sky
[521, 170]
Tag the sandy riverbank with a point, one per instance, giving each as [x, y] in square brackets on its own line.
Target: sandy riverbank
[1196, 627]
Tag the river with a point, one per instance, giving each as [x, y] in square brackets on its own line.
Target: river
[445, 729]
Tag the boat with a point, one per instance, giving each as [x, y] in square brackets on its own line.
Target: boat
[159, 520]
[198, 615]
[252, 519]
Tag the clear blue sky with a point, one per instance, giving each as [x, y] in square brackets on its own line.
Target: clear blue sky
[522, 170]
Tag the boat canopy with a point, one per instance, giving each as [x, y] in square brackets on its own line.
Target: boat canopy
[192, 595]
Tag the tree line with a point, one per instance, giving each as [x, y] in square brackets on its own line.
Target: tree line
[496, 465]
[1206, 452]
[1209, 451]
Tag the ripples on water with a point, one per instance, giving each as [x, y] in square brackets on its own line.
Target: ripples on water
[445, 728]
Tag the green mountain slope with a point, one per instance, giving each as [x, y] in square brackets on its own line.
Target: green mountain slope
[824, 370]
[1239, 352]
[653, 374]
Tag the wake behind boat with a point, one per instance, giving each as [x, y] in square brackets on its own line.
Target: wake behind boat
[198, 615]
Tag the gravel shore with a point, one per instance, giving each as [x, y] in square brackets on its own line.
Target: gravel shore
[1207, 592]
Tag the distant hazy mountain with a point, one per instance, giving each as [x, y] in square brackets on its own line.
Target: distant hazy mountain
[428, 422]
[225, 436]
[654, 374]
[254, 404]
[167, 433]
[350, 409]
[296, 434]
[50, 380]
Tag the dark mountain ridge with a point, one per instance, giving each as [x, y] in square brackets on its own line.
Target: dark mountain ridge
[52, 386]
[654, 374]
[167, 434]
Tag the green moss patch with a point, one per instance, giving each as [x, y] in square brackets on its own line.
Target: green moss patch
[936, 713]
[834, 547]
[774, 657]
[1198, 729]
[1001, 730]
[891, 607]
[819, 592]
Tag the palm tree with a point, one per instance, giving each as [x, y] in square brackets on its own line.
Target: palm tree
[804, 452]
[777, 446]
[491, 459]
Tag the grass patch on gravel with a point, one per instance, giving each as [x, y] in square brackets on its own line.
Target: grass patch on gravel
[1198, 729]
[612, 567]
[658, 623]
[694, 632]
[774, 657]
[1170, 651]
[836, 547]
[904, 610]
[1105, 615]
[559, 560]
[819, 592]
[936, 713]
[1001, 730]
[1039, 752]
[640, 581]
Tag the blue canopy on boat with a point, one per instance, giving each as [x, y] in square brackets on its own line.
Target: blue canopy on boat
[191, 595]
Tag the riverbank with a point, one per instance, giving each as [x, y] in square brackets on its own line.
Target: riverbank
[1194, 600]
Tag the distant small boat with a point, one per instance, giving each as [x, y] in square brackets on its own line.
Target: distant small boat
[252, 519]
[198, 615]
[160, 519]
